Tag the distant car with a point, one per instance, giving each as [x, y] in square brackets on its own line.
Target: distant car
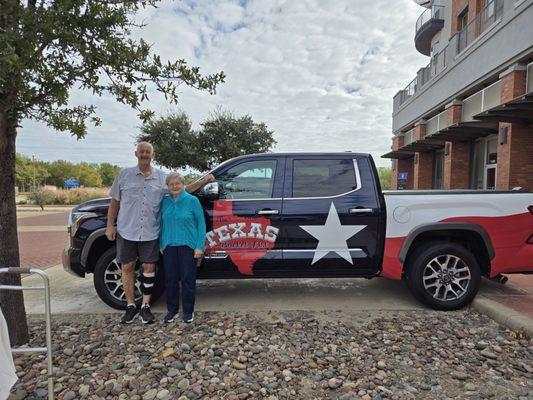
[324, 215]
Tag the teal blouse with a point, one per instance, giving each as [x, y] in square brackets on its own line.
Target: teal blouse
[182, 222]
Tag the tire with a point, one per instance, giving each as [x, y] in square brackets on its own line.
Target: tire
[459, 279]
[111, 291]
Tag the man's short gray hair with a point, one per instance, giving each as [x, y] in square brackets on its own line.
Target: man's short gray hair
[173, 175]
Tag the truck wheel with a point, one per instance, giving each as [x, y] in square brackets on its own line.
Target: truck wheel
[108, 281]
[443, 275]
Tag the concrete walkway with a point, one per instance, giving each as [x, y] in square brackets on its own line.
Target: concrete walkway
[77, 295]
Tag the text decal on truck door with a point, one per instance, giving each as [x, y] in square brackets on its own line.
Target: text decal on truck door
[246, 240]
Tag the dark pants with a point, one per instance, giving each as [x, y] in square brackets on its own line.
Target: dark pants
[180, 265]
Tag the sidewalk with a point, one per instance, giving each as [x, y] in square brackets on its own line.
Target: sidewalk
[510, 304]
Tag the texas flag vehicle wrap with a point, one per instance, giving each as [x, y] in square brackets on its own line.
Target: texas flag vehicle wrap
[245, 240]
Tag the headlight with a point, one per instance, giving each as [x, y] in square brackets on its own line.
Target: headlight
[75, 219]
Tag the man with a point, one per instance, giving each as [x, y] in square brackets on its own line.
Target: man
[136, 198]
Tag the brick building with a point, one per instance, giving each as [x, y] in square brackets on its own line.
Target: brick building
[466, 120]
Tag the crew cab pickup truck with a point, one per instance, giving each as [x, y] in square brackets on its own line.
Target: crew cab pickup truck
[324, 215]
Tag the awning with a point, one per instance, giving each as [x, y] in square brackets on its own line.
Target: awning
[424, 145]
[466, 131]
[517, 110]
[398, 154]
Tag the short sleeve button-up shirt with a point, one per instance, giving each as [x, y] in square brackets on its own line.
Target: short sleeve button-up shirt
[140, 203]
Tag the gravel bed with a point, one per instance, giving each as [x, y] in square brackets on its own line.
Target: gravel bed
[287, 355]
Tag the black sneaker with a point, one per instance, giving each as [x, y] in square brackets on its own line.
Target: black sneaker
[169, 318]
[131, 312]
[188, 318]
[146, 315]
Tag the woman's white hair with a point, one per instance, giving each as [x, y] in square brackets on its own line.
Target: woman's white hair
[176, 175]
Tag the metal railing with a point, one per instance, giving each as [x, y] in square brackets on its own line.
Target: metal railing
[481, 101]
[48, 318]
[435, 12]
[435, 124]
[458, 42]
[409, 137]
[485, 18]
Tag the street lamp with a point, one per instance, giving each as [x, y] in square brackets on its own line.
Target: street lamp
[33, 163]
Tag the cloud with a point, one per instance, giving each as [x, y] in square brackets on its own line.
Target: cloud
[321, 74]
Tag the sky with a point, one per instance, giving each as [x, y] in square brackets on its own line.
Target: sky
[320, 73]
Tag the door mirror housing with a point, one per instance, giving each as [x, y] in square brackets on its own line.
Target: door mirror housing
[211, 190]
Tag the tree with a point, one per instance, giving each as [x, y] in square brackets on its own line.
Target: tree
[107, 173]
[384, 177]
[175, 143]
[224, 136]
[28, 172]
[46, 49]
[221, 137]
[88, 175]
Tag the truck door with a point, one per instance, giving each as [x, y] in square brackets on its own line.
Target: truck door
[330, 216]
[243, 220]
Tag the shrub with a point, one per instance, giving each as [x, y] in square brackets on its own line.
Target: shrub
[44, 196]
[41, 197]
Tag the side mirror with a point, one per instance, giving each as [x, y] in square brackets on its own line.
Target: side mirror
[211, 190]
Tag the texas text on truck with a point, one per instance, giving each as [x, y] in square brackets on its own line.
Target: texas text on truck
[324, 215]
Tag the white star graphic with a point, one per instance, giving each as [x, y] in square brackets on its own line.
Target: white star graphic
[332, 236]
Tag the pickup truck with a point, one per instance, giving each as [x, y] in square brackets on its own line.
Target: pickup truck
[324, 215]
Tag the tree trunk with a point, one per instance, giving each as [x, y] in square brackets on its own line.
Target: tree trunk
[11, 302]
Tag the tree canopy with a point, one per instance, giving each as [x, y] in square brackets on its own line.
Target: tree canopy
[47, 48]
[221, 136]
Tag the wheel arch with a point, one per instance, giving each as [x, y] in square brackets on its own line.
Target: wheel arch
[95, 245]
[472, 236]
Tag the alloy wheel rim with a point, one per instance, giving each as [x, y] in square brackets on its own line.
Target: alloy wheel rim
[113, 281]
[446, 277]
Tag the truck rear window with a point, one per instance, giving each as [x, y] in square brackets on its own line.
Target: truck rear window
[322, 178]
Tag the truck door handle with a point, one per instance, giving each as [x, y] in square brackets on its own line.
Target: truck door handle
[360, 210]
[267, 211]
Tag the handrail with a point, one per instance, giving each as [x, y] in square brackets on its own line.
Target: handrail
[435, 12]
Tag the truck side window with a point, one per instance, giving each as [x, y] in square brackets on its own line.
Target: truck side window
[322, 178]
[248, 180]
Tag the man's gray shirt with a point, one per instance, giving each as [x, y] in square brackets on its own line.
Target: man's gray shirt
[140, 203]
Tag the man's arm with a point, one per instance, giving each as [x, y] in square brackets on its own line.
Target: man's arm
[111, 231]
[200, 183]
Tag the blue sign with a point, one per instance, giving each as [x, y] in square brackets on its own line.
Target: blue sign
[71, 183]
[403, 175]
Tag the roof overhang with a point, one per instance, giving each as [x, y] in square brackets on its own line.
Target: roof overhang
[398, 154]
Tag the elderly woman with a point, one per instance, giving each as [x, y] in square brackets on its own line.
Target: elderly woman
[182, 241]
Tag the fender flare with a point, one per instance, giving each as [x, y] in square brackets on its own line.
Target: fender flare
[89, 244]
[446, 226]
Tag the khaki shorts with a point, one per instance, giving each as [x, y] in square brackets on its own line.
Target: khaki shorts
[128, 250]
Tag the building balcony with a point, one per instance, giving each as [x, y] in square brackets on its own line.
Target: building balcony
[452, 53]
[428, 25]
[459, 69]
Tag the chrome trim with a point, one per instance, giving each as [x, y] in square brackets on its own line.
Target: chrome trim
[357, 178]
[308, 250]
[360, 210]
[258, 199]
[219, 254]
[268, 212]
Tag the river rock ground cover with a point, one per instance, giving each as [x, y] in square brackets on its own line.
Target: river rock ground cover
[287, 355]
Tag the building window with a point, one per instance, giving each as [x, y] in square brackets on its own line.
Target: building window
[438, 169]
[462, 19]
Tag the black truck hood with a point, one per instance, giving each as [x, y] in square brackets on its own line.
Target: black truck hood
[98, 206]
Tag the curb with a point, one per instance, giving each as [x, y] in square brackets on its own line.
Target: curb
[503, 315]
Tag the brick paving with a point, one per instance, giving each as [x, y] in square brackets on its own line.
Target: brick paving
[42, 249]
